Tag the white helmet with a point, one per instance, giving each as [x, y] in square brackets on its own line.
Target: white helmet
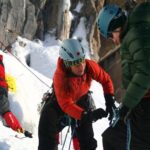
[71, 52]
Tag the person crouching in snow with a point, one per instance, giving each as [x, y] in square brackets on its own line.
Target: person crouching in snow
[71, 82]
[9, 118]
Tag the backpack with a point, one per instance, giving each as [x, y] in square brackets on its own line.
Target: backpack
[47, 96]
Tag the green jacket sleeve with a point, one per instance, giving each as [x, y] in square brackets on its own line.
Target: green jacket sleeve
[139, 49]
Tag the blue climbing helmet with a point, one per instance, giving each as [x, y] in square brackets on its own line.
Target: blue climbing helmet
[72, 52]
[110, 17]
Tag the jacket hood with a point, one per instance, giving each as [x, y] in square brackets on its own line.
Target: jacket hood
[140, 14]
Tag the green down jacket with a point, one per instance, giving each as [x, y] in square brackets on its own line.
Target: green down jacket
[135, 55]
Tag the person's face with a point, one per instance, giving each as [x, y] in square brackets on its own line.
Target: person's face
[79, 69]
[115, 36]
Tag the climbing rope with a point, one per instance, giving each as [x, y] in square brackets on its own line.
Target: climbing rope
[7, 49]
[128, 134]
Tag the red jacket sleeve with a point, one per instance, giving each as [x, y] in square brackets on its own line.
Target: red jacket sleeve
[3, 82]
[100, 76]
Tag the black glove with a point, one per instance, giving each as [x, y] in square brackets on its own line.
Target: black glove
[93, 115]
[110, 100]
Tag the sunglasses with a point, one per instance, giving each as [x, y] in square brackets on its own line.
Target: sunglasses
[74, 63]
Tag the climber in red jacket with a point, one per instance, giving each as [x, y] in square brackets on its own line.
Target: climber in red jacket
[9, 117]
[71, 96]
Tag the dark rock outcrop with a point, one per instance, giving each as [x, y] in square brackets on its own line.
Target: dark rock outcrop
[18, 17]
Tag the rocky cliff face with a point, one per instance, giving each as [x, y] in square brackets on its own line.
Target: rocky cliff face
[32, 18]
[18, 17]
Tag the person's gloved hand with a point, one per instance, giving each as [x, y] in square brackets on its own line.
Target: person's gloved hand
[109, 102]
[121, 113]
[12, 121]
[93, 115]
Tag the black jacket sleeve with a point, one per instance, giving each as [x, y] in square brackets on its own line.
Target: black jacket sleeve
[4, 103]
